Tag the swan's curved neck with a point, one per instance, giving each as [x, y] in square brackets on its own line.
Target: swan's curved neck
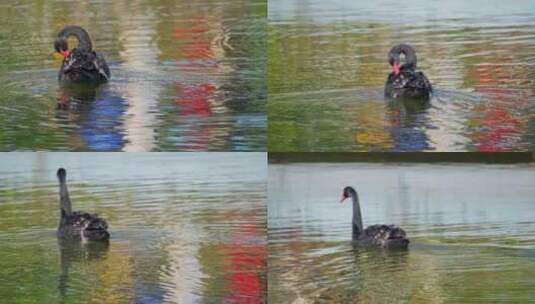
[84, 41]
[408, 51]
[64, 200]
[357, 217]
[410, 56]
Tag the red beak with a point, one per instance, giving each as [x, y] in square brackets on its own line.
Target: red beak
[396, 68]
[343, 198]
[65, 53]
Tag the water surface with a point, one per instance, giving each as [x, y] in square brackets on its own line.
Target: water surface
[185, 76]
[471, 227]
[185, 228]
[327, 68]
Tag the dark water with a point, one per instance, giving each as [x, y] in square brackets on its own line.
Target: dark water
[471, 227]
[185, 228]
[185, 76]
[327, 68]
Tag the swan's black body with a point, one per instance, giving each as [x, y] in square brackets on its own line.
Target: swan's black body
[81, 64]
[404, 81]
[78, 225]
[375, 235]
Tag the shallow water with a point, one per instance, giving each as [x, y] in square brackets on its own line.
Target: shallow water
[327, 68]
[185, 228]
[471, 228]
[185, 76]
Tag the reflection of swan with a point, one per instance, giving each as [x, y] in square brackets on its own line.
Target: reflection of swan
[76, 252]
[408, 124]
[78, 225]
[404, 81]
[375, 235]
[80, 64]
[97, 113]
[77, 95]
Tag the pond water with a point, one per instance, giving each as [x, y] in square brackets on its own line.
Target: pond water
[185, 228]
[471, 228]
[185, 76]
[327, 66]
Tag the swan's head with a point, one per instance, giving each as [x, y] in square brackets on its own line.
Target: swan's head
[347, 193]
[395, 61]
[61, 174]
[61, 46]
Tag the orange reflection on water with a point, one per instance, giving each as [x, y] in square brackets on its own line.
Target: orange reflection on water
[195, 43]
[373, 134]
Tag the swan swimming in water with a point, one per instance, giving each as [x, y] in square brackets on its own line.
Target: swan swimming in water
[78, 225]
[404, 81]
[80, 64]
[375, 235]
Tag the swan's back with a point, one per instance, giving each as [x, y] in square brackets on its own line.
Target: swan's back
[84, 66]
[408, 84]
[83, 225]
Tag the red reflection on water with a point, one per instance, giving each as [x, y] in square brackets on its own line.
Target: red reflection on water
[244, 263]
[198, 27]
[194, 99]
[498, 125]
[501, 126]
[244, 260]
[63, 101]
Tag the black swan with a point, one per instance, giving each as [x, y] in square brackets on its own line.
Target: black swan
[404, 81]
[375, 235]
[78, 225]
[80, 64]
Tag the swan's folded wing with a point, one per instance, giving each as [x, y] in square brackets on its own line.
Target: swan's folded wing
[376, 231]
[384, 232]
[421, 82]
[102, 66]
[397, 233]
